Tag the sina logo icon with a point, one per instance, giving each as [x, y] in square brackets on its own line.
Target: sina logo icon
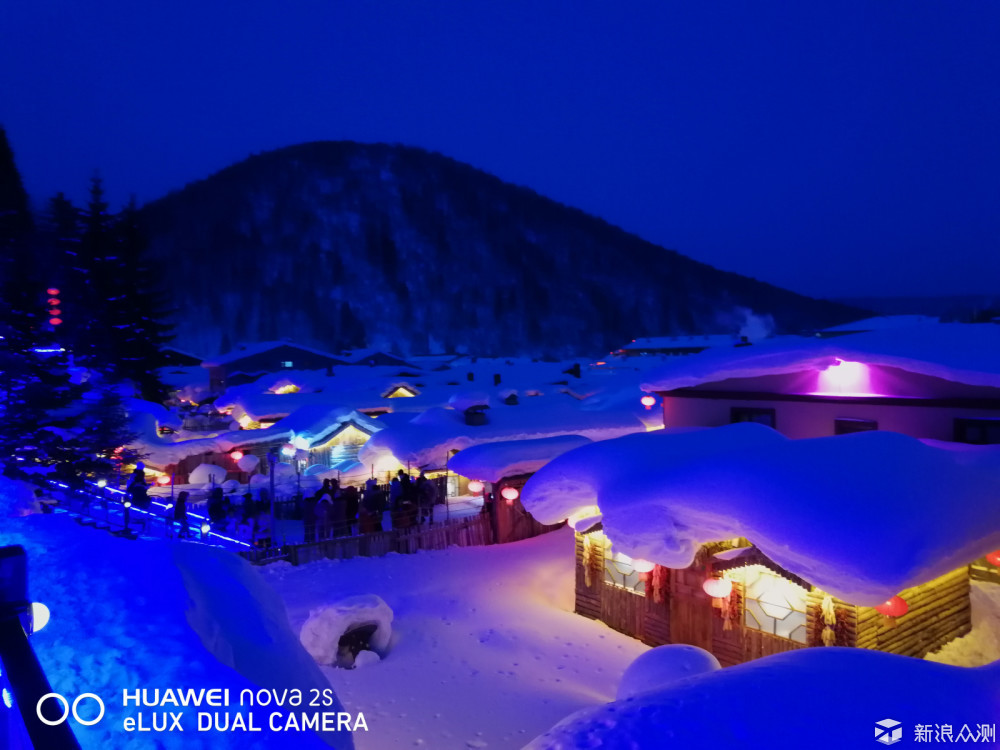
[888, 731]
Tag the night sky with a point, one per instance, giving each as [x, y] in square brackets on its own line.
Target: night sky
[837, 148]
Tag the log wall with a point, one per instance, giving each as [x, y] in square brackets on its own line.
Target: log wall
[939, 611]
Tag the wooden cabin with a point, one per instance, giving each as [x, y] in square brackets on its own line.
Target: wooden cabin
[767, 611]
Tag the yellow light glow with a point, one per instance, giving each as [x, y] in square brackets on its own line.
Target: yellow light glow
[401, 392]
[289, 388]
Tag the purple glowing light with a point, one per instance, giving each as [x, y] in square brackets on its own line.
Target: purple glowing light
[845, 379]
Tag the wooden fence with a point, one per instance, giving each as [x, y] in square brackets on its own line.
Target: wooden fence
[465, 532]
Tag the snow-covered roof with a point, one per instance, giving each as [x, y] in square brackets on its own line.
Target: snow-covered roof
[492, 462]
[960, 352]
[756, 705]
[313, 423]
[861, 516]
[428, 438]
[249, 350]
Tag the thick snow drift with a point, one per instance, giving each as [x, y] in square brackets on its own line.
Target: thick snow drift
[664, 665]
[491, 462]
[798, 695]
[861, 516]
[152, 614]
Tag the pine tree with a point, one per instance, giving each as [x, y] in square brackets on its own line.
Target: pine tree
[139, 308]
[51, 415]
[125, 330]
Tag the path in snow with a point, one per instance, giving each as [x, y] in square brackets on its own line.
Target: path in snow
[486, 650]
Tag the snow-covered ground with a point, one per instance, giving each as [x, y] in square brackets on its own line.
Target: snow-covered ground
[982, 645]
[486, 651]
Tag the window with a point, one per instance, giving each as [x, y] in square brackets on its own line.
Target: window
[751, 414]
[772, 604]
[618, 571]
[847, 425]
[286, 363]
[978, 431]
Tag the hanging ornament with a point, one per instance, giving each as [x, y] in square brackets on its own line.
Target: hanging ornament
[717, 588]
[648, 401]
[475, 486]
[993, 558]
[894, 607]
[829, 613]
[829, 636]
[510, 494]
[236, 455]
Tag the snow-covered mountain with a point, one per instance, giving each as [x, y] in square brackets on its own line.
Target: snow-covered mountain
[340, 244]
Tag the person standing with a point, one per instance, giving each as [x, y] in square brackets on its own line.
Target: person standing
[428, 499]
[180, 514]
[136, 487]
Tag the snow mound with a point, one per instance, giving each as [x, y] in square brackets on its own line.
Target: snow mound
[366, 659]
[129, 614]
[661, 666]
[861, 516]
[207, 474]
[467, 399]
[492, 462]
[843, 688]
[17, 498]
[248, 463]
[321, 633]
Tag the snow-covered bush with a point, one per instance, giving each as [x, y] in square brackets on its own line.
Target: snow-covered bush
[248, 463]
[664, 665]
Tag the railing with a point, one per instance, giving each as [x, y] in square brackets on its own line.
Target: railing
[462, 532]
[107, 505]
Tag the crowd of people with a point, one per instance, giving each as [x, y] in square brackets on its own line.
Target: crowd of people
[333, 511]
[336, 511]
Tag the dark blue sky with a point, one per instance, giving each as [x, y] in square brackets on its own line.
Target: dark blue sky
[833, 148]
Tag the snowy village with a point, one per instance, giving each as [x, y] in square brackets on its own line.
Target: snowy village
[353, 444]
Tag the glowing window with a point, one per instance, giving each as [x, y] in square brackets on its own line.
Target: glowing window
[286, 363]
[618, 571]
[772, 604]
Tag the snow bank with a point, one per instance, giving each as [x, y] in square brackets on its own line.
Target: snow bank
[17, 498]
[207, 474]
[492, 462]
[661, 666]
[799, 695]
[961, 352]
[152, 614]
[321, 633]
[861, 516]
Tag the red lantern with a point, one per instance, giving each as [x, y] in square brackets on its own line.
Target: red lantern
[510, 494]
[52, 291]
[648, 401]
[994, 558]
[894, 607]
[53, 301]
[237, 455]
[163, 479]
[55, 321]
[717, 588]
[475, 486]
[55, 311]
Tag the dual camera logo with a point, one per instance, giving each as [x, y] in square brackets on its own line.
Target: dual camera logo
[67, 709]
